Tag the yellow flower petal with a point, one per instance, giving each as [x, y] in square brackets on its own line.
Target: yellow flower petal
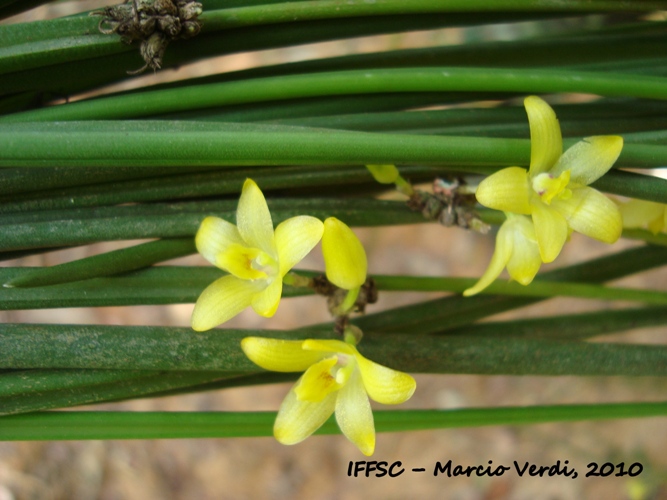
[221, 301]
[266, 302]
[550, 229]
[590, 159]
[507, 190]
[525, 261]
[318, 381]
[279, 355]
[384, 174]
[384, 385]
[354, 415]
[344, 255]
[500, 258]
[296, 237]
[214, 236]
[253, 219]
[546, 142]
[590, 212]
[298, 419]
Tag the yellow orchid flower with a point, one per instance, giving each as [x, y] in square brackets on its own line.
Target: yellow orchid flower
[337, 379]
[256, 256]
[516, 248]
[644, 214]
[555, 190]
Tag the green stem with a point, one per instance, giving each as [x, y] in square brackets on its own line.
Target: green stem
[21, 382]
[535, 289]
[178, 285]
[14, 181]
[79, 226]
[118, 386]
[200, 185]
[451, 312]
[332, 9]
[155, 425]
[153, 286]
[435, 79]
[633, 185]
[180, 349]
[568, 327]
[165, 143]
[106, 264]
[78, 73]
[634, 45]
[603, 116]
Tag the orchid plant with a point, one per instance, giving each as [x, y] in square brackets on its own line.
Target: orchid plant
[335, 144]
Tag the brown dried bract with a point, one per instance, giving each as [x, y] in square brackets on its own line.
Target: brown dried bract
[451, 204]
[368, 294]
[152, 23]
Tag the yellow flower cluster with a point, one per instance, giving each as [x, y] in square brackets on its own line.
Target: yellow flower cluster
[337, 377]
[546, 203]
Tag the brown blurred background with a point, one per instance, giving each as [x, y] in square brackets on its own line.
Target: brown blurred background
[317, 468]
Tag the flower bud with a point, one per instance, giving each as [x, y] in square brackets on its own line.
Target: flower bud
[344, 256]
[384, 174]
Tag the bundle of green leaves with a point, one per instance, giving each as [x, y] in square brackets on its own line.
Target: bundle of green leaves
[84, 161]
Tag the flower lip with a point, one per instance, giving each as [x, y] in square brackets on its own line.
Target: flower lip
[548, 187]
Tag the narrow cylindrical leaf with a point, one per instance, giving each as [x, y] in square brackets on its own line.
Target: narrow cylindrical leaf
[106, 264]
[80, 226]
[155, 425]
[181, 349]
[122, 387]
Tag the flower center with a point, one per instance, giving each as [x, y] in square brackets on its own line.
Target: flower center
[247, 263]
[549, 187]
[324, 377]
